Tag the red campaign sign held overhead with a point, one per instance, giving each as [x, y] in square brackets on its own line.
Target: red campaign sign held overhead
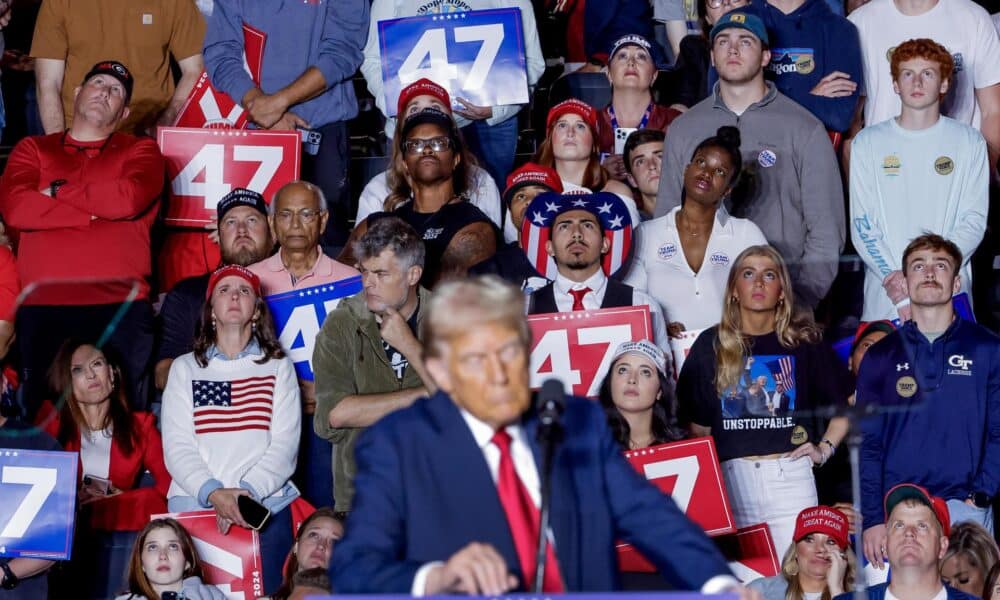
[210, 108]
[203, 165]
[230, 562]
[576, 347]
[689, 472]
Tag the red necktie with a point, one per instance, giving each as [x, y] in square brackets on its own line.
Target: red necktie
[523, 517]
[578, 297]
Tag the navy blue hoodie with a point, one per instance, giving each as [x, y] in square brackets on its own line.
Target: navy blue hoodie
[942, 425]
[807, 45]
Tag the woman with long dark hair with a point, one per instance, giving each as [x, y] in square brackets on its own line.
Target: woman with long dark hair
[163, 560]
[313, 548]
[638, 398]
[758, 383]
[231, 417]
[428, 181]
[683, 258]
[116, 445]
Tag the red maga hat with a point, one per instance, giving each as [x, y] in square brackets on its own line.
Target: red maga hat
[822, 519]
[236, 271]
[576, 107]
[422, 87]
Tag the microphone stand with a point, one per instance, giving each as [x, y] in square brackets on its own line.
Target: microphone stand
[549, 434]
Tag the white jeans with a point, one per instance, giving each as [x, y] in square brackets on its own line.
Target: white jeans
[771, 491]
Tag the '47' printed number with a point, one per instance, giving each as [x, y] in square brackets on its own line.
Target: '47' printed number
[685, 469]
[211, 159]
[429, 57]
[554, 349]
[42, 482]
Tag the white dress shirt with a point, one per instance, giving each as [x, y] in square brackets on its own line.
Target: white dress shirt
[592, 300]
[527, 472]
[524, 466]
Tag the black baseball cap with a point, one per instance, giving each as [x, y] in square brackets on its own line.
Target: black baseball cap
[241, 197]
[431, 116]
[114, 69]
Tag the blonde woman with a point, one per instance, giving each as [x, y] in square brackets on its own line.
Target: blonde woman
[756, 383]
[818, 564]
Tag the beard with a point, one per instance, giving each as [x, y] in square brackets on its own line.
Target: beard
[242, 256]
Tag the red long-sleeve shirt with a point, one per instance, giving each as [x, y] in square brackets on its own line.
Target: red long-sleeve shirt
[97, 228]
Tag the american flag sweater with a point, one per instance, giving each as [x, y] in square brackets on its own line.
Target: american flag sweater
[234, 423]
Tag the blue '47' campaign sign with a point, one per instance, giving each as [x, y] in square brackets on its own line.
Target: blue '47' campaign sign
[37, 503]
[478, 55]
[299, 314]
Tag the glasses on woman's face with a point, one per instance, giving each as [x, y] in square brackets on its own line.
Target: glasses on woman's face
[418, 145]
[720, 3]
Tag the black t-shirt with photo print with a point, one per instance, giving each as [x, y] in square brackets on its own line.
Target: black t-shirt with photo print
[772, 409]
[396, 358]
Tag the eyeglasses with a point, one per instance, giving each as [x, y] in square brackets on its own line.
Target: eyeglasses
[719, 3]
[306, 215]
[418, 145]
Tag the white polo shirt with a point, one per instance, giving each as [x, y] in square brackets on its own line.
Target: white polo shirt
[660, 268]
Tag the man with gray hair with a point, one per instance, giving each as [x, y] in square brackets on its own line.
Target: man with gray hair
[448, 488]
[367, 359]
[297, 217]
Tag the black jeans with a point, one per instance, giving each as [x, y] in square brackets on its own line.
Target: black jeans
[328, 170]
[42, 329]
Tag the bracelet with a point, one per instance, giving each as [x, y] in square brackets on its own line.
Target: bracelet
[829, 443]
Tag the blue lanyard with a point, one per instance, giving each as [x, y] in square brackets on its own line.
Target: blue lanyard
[642, 123]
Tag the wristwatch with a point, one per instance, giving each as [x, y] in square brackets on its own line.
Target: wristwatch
[10, 580]
[980, 499]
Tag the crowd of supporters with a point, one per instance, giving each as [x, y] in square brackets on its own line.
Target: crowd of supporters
[770, 178]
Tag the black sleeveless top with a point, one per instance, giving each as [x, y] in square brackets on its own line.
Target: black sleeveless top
[436, 229]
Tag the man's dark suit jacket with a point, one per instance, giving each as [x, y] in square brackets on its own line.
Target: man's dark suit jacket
[424, 492]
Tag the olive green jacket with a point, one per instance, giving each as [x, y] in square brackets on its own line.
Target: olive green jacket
[349, 359]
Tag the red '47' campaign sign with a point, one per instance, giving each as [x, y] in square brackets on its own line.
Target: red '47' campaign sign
[750, 552]
[575, 347]
[230, 562]
[689, 471]
[203, 165]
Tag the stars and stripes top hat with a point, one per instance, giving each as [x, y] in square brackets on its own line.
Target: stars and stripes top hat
[611, 213]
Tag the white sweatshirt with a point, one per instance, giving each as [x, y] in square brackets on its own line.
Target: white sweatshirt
[234, 423]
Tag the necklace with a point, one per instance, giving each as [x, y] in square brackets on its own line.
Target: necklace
[687, 228]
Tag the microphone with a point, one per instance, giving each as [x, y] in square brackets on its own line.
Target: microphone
[551, 400]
